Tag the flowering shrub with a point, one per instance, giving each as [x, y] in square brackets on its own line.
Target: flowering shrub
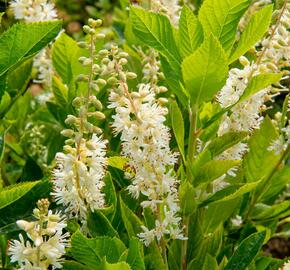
[159, 138]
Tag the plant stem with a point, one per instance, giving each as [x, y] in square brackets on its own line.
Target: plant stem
[192, 141]
[184, 244]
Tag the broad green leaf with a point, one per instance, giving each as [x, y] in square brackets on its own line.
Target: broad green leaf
[155, 30]
[131, 221]
[178, 126]
[110, 196]
[220, 194]
[187, 199]
[270, 212]
[205, 71]
[222, 143]
[173, 82]
[65, 58]
[72, 265]
[221, 18]
[31, 171]
[18, 201]
[246, 252]
[60, 91]
[23, 40]
[190, 32]
[91, 251]
[117, 162]
[135, 258]
[239, 192]
[114, 266]
[217, 213]
[213, 170]
[13, 193]
[258, 83]
[18, 78]
[254, 31]
[279, 181]
[99, 225]
[259, 161]
[210, 263]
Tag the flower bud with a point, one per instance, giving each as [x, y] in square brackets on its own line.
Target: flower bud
[70, 120]
[101, 81]
[131, 75]
[100, 36]
[81, 78]
[112, 80]
[123, 55]
[98, 104]
[82, 44]
[67, 133]
[77, 102]
[99, 115]
[103, 53]
[97, 130]
[87, 29]
[123, 61]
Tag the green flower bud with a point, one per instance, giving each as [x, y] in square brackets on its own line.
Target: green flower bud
[67, 133]
[101, 81]
[70, 120]
[87, 29]
[131, 75]
[99, 115]
[112, 80]
[100, 36]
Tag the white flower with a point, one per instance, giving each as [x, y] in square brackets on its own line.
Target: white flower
[78, 179]
[33, 10]
[237, 221]
[145, 142]
[286, 266]
[44, 247]
[43, 64]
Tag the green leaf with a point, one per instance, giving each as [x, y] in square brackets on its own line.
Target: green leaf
[210, 263]
[239, 192]
[178, 126]
[111, 197]
[135, 258]
[90, 252]
[190, 32]
[155, 30]
[258, 83]
[205, 71]
[13, 193]
[72, 265]
[187, 199]
[246, 252]
[259, 162]
[224, 142]
[221, 18]
[18, 201]
[213, 170]
[60, 92]
[2, 144]
[270, 212]
[131, 221]
[31, 171]
[115, 266]
[99, 225]
[254, 31]
[15, 45]
[117, 162]
[65, 58]
[18, 78]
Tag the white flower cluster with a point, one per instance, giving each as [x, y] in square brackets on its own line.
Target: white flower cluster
[254, 7]
[245, 116]
[46, 242]
[34, 10]
[151, 69]
[280, 145]
[170, 8]
[37, 11]
[78, 178]
[277, 54]
[145, 141]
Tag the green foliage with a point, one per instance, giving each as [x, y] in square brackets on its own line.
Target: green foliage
[205, 71]
[190, 32]
[155, 30]
[91, 252]
[221, 19]
[246, 252]
[253, 32]
[16, 47]
[259, 162]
